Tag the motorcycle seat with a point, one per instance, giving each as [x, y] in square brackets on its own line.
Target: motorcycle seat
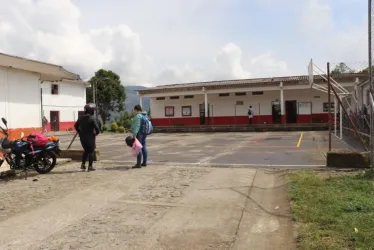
[46, 145]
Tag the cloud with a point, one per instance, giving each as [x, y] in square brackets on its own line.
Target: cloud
[332, 40]
[50, 31]
[227, 64]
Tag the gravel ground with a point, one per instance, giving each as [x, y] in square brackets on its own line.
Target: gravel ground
[157, 207]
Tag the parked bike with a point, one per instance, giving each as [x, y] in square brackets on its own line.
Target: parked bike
[40, 158]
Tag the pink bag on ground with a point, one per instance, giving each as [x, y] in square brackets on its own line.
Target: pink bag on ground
[136, 147]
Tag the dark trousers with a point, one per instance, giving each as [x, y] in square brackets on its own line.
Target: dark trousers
[144, 152]
[88, 144]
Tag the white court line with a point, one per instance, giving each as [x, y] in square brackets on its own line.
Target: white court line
[217, 164]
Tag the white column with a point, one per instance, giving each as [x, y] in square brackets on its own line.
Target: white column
[141, 101]
[206, 105]
[341, 121]
[335, 113]
[281, 101]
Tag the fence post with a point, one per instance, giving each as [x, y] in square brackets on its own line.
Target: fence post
[329, 102]
[335, 114]
[341, 121]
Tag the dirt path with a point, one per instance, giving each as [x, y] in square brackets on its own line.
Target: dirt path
[156, 207]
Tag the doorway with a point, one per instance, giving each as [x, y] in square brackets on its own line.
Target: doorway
[55, 120]
[291, 111]
[276, 112]
[202, 114]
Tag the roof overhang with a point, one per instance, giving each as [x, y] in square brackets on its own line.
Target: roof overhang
[47, 71]
[292, 82]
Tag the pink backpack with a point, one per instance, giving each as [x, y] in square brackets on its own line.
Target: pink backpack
[37, 139]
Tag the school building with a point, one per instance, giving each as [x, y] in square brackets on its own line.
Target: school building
[277, 100]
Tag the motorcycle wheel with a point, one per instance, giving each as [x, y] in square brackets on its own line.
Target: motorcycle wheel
[41, 167]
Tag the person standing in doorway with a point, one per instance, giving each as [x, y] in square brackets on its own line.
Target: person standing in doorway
[250, 115]
[54, 123]
[138, 132]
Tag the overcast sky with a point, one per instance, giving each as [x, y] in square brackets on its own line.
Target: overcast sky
[150, 42]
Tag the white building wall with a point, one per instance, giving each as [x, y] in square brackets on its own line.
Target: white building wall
[70, 99]
[316, 97]
[158, 106]
[20, 98]
[226, 105]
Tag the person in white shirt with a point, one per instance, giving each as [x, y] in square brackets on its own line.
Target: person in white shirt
[250, 114]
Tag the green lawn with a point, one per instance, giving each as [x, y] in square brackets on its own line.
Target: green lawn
[330, 209]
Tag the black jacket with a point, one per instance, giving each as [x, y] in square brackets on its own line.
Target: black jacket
[87, 126]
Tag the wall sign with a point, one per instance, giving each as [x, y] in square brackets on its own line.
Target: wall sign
[169, 111]
[304, 108]
[186, 111]
[326, 107]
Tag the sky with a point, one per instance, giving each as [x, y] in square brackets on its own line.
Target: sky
[151, 43]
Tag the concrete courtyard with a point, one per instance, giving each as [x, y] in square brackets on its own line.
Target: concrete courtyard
[268, 149]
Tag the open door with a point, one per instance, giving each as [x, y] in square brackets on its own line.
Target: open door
[55, 120]
[202, 114]
[276, 112]
[291, 111]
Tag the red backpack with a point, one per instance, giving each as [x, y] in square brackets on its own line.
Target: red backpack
[37, 139]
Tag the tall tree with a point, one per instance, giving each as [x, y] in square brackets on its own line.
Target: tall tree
[110, 93]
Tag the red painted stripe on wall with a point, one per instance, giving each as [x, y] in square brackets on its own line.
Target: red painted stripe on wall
[235, 120]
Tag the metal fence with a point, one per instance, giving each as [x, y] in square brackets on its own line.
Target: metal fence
[355, 119]
[347, 86]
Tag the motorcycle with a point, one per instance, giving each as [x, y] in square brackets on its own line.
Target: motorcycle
[42, 159]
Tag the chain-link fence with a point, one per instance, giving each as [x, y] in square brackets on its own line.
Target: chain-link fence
[350, 91]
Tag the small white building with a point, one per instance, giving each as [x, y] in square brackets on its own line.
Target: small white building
[63, 102]
[20, 95]
[274, 100]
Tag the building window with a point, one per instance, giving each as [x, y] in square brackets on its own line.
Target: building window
[326, 107]
[174, 97]
[54, 89]
[224, 94]
[239, 103]
[240, 94]
[169, 111]
[258, 93]
[188, 96]
[186, 111]
[160, 98]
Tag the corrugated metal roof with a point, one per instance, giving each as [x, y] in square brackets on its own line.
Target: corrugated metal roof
[255, 82]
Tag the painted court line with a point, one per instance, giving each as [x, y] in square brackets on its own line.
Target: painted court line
[300, 138]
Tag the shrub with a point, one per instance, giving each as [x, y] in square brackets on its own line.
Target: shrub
[121, 129]
[114, 127]
[105, 127]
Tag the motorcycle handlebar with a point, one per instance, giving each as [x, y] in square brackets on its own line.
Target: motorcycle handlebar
[4, 131]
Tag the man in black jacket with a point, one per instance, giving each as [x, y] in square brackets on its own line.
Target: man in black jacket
[88, 129]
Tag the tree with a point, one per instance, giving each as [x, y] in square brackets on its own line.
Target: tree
[124, 119]
[341, 68]
[110, 93]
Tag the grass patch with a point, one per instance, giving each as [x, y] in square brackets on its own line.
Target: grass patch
[328, 209]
